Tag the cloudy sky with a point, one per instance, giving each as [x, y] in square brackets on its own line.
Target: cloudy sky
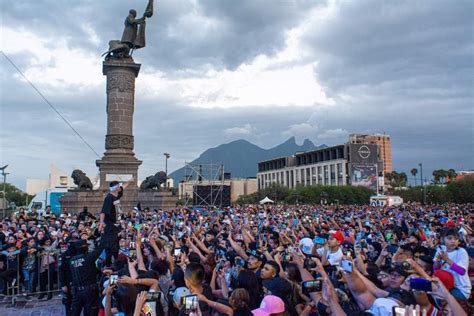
[215, 71]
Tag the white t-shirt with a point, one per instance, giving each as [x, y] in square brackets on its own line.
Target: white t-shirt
[334, 258]
[461, 258]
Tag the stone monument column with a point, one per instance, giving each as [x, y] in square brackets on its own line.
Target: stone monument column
[119, 162]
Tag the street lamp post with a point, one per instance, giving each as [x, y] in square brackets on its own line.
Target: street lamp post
[422, 184]
[167, 156]
[4, 174]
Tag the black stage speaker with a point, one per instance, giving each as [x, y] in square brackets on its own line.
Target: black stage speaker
[211, 195]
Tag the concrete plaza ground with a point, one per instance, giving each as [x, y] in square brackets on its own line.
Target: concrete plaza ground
[53, 307]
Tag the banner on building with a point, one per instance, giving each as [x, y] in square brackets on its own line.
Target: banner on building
[364, 175]
[363, 153]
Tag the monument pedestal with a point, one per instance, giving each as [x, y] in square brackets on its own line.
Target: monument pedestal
[157, 199]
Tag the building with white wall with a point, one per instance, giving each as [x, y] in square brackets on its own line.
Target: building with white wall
[327, 166]
[57, 179]
[348, 164]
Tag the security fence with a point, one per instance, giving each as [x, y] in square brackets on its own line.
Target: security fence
[30, 274]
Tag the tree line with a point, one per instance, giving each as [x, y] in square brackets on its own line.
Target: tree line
[459, 191]
[399, 179]
[345, 194]
[15, 195]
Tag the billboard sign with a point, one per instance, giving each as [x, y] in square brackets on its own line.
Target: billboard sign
[363, 153]
[364, 175]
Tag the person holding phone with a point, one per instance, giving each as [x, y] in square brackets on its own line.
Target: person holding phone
[453, 258]
[332, 254]
[194, 279]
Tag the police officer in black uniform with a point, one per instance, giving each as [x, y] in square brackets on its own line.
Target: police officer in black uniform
[83, 273]
[65, 277]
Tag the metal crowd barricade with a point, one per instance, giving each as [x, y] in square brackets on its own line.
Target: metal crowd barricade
[48, 262]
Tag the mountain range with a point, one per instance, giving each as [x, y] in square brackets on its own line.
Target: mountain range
[241, 157]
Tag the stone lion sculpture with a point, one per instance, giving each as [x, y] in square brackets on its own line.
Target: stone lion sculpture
[81, 180]
[154, 182]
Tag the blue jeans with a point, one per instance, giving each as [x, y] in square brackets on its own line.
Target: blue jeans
[29, 277]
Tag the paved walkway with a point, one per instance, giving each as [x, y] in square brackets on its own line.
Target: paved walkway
[34, 307]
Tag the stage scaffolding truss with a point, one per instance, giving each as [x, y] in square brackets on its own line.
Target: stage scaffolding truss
[203, 185]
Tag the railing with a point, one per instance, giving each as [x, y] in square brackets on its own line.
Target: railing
[40, 279]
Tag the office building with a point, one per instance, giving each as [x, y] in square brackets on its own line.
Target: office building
[347, 164]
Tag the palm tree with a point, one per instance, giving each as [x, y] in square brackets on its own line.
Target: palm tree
[436, 176]
[414, 172]
[451, 174]
[444, 175]
[402, 179]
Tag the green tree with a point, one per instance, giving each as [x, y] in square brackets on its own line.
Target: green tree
[437, 194]
[436, 176]
[15, 195]
[462, 191]
[275, 192]
[440, 176]
[389, 178]
[451, 174]
[414, 172]
[396, 179]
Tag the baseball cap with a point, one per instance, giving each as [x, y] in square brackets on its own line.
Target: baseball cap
[446, 277]
[338, 235]
[270, 305]
[306, 245]
[257, 254]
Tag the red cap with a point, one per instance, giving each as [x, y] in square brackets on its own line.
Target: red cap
[446, 277]
[450, 224]
[338, 235]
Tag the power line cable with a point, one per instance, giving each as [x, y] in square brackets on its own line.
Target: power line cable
[49, 103]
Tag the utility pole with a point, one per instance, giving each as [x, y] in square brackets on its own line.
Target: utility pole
[422, 184]
[167, 156]
[377, 178]
[4, 174]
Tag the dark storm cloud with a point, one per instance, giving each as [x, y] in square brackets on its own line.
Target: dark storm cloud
[407, 44]
[181, 34]
[404, 68]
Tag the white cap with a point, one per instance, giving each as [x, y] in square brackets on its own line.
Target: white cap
[306, 245]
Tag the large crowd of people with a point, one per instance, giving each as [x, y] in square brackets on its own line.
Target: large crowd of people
[244, 260]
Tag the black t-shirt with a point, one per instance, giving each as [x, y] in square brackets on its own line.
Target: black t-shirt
[204, 307]
[108, 208]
